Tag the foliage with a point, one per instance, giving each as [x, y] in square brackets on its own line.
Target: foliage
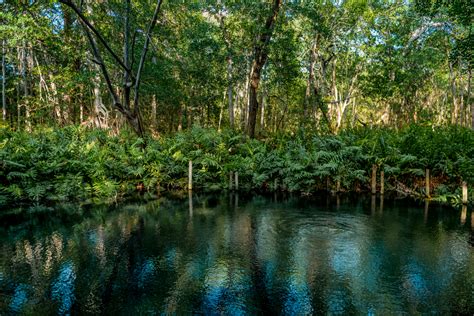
[74, 163]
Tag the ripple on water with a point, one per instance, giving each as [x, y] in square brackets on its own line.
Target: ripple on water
[278, 260]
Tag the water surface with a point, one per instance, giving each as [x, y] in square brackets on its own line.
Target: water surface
[236, 256]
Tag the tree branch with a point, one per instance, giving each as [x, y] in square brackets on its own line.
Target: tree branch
[143, 56]
[86, 22]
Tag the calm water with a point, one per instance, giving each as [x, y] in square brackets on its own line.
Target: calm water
[223, 255]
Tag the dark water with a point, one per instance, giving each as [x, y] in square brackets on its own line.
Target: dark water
[221, 255]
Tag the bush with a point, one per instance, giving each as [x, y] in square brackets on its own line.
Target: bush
[74, 163]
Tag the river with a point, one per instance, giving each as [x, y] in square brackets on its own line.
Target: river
[238, 255]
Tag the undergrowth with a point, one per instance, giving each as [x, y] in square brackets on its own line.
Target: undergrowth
[74, 163]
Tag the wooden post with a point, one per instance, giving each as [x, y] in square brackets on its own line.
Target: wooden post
[382, 182]
[190, 176]
[338, 186]
[236, 181]
[472, 220]
[374, 179]
[276, 184]
[231, 176]
[427, 183]
[464, 192]
[463, 214]
[372, 204]
[427, 208]
[190, 200]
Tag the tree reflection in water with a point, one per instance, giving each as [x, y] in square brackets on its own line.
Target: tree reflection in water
[234, 255]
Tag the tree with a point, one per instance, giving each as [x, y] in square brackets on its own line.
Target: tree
[260, 58]
[131, 80]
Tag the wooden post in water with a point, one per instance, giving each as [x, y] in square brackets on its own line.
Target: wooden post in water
[382, 182]
[374, 179]
[231, 176]
[427, 183]
[427, 208]
[190, 176]
[236, 181]
[372, 204]
[463, 214]
[338, 186]
[190, 201]
[464, 192]
[276, 184]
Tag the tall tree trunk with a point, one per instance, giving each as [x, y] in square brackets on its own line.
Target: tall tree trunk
[462, 114]
[260, 58]
[25, 88]
[229, 91]
[229, 60]
[4, 80]
[100, 113]
[127, 84]
[310, 81]
[180, 118]
[454, 116]
[262, 114]
[468, 102]
[154, 124]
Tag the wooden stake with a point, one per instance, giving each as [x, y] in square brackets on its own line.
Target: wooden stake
[374, 179]
[231, 178]
[372, 204]
[463, 214]
[190, 200]
[190, 176]
[382, 182]
[427, 208]
[464, 192]
[236, 181]
[427, 183]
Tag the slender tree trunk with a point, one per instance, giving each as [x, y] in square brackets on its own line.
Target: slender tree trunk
[469, 83]
[454, 117]
[180, 118]
[227, 42]
[53, 98]
[4, 80]
[260, 58]
[153, 112]
[26, 88]
[127, 84]
[310, 81]
[244, 106]
[229, 91]
[262, 114]
[462, 114]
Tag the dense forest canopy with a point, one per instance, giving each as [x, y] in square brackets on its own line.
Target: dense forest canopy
[261, 67]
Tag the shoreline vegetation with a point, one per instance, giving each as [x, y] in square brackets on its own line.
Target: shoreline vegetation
[103, 100]
[74, 163]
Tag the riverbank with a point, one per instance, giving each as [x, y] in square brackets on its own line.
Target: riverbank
[73, 163]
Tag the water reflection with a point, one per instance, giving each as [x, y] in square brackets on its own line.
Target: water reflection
[225, 256]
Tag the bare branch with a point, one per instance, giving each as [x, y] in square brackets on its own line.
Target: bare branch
[86, 22]
[144, 52]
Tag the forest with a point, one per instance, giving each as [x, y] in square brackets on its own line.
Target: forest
[101, 99]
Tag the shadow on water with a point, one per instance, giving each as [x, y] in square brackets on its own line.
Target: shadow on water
[239, 254]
